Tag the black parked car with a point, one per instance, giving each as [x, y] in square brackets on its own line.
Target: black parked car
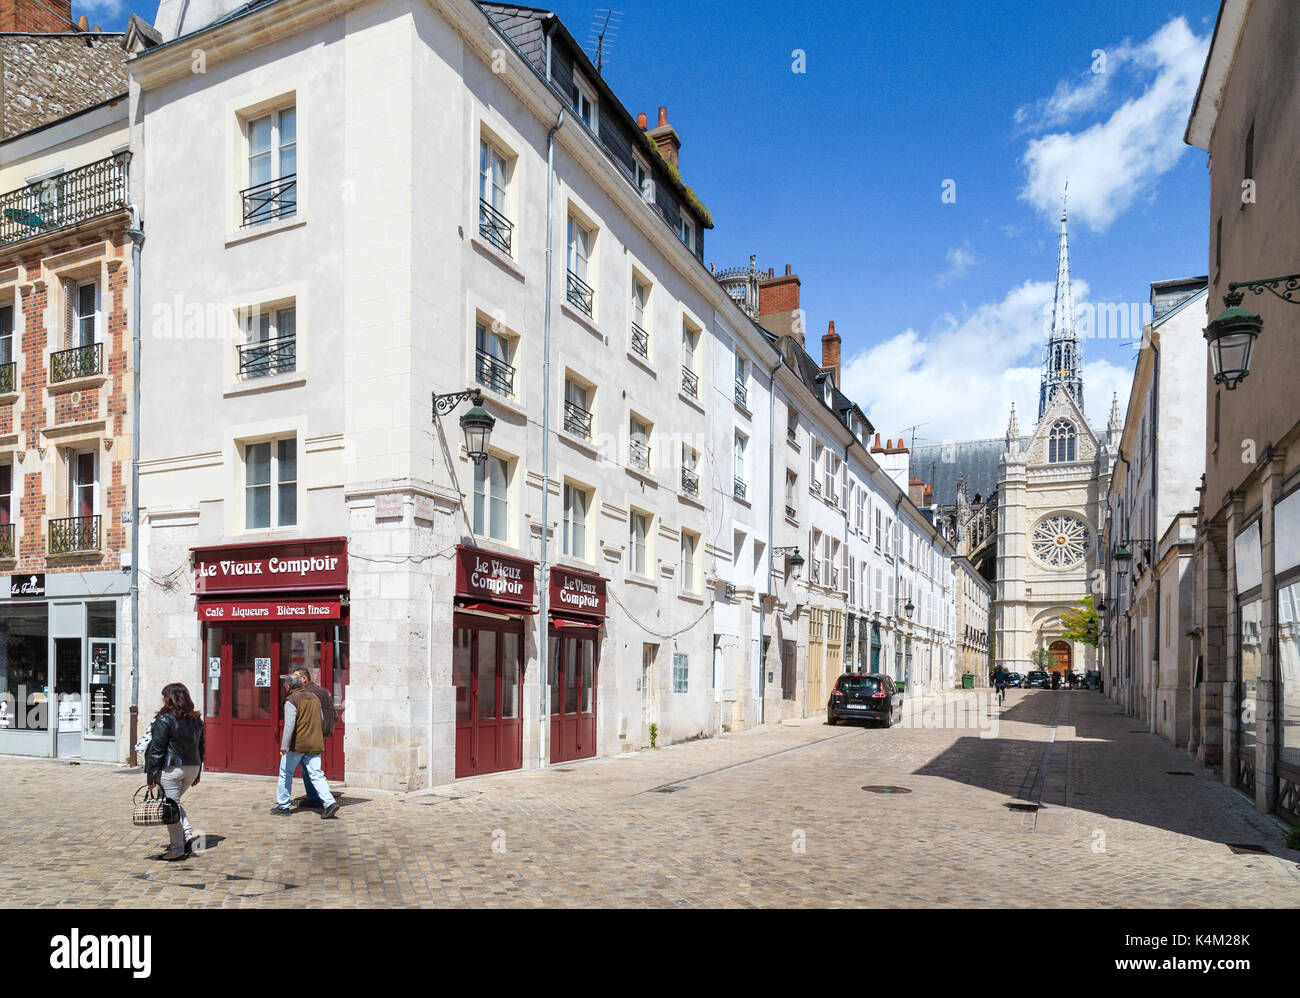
[1038, 680]
[870, 697]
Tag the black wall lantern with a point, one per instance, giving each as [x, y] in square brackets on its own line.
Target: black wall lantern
[794, 560]
[476, 424]
[1231, 334]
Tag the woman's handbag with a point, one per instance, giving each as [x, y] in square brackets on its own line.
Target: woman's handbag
[155, 808]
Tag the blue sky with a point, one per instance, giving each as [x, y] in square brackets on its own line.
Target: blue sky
[839, 171]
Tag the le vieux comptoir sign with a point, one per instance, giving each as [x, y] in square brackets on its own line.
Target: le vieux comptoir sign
[286, 569]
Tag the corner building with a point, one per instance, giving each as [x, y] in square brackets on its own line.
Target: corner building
[370, 233]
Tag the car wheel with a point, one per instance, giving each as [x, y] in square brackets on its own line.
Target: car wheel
[888, 722]
[830, 718]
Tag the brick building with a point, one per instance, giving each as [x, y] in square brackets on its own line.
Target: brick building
[65, 383]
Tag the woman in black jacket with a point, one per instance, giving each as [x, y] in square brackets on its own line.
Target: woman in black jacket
[174, 758]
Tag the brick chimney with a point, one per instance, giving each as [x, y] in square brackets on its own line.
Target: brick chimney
[831, 352]
[32, 17]
[663, 135]
[778, 303]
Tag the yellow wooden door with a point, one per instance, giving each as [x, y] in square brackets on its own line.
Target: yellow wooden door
[814, 687]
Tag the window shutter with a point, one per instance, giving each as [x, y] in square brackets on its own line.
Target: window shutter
[69, 313]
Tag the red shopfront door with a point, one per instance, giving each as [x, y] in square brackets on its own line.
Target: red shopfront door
[244, 698]
[577, 606]
[488, 672]
[572, 660]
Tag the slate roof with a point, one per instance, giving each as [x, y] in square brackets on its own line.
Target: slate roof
[50, 76]
[976, 459]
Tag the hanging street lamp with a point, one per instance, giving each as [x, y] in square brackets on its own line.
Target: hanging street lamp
[1232, 333]
[476, 423]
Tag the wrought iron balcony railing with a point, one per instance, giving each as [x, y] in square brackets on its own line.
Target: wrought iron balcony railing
[690, 482]
[742, 394]
[790, 511]
[741, 488]
[835, 578]
[816, 486]
[495, 227]
[74, 534]
[7, 540]
[815, 572]
[690, 383]
[580, 294]
[495, 373]
[78, 362]
[577, 420]
[791, 435]
[267, 357]
[8, 377]
[640, 341]
[70, 198]
[729, 591]
[638, 453]
[270, 200]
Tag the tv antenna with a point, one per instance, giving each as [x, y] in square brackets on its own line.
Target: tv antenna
[603, 28]
[914, 429]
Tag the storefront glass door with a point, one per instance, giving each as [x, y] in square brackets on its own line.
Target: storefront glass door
[572, 662]
[243, 697]
[487, 669]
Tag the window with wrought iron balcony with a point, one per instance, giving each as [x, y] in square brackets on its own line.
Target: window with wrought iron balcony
[578, 292]
[80, 531]
[8, 366]
[82, 356]
[272, 191]
[577, 415]
[270, 344]
[492, 368]
[640, 301]
[65, 199]
[494, 225]
[638, 444]
[690, 472]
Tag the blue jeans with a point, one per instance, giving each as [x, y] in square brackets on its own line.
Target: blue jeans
[310, 771]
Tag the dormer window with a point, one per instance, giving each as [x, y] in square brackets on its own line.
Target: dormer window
[584, 104]
[686, 231]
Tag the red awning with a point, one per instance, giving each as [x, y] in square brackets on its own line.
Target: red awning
[500, 609]
[589, 625]
[259, 610]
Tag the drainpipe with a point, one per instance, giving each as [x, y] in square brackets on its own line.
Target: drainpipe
[543, 641]
[767, 585]
[1152, 525]
[137, 245]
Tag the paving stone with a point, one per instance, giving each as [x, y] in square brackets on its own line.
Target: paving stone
[767, 818]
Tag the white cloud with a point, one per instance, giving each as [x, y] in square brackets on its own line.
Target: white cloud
[1112, 162]
[962, 378]
[960, 261]
[103, 9]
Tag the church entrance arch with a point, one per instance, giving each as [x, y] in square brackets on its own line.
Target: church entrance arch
[1060, 656]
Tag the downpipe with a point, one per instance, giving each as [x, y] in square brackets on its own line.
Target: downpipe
[136, 233]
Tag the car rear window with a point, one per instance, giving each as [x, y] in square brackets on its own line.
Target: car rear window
[859, 684]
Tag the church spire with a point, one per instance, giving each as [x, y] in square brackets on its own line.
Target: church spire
[1061, 357]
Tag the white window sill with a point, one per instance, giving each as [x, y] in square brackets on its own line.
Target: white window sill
[581, 319]
[505, 402]
[8, 397]
[744, 410]
[496, 256]
[265, 229]
[691, 598]
[254, 386]
[688, 498]
[581, 443]
[643, 476]
[693, 403]
[640, 580]
[642, 363]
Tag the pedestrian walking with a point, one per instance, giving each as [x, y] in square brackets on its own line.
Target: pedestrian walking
[174, 759]
[326, 729]
[302, 744]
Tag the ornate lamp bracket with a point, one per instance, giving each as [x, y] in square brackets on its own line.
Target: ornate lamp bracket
[1287, 288]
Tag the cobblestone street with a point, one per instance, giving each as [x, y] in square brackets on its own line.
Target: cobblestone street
[773, 818]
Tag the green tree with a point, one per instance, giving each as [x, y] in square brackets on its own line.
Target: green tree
[1039, 658]
[1081, 624]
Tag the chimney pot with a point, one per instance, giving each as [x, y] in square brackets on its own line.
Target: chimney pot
[663, 116]
[787, 270]
[642, 121]
[82, 23]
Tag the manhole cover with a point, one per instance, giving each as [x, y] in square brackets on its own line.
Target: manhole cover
[1179, 772]
[1247, 848]
[887, 790]
[1021, 805]
[667, 790]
